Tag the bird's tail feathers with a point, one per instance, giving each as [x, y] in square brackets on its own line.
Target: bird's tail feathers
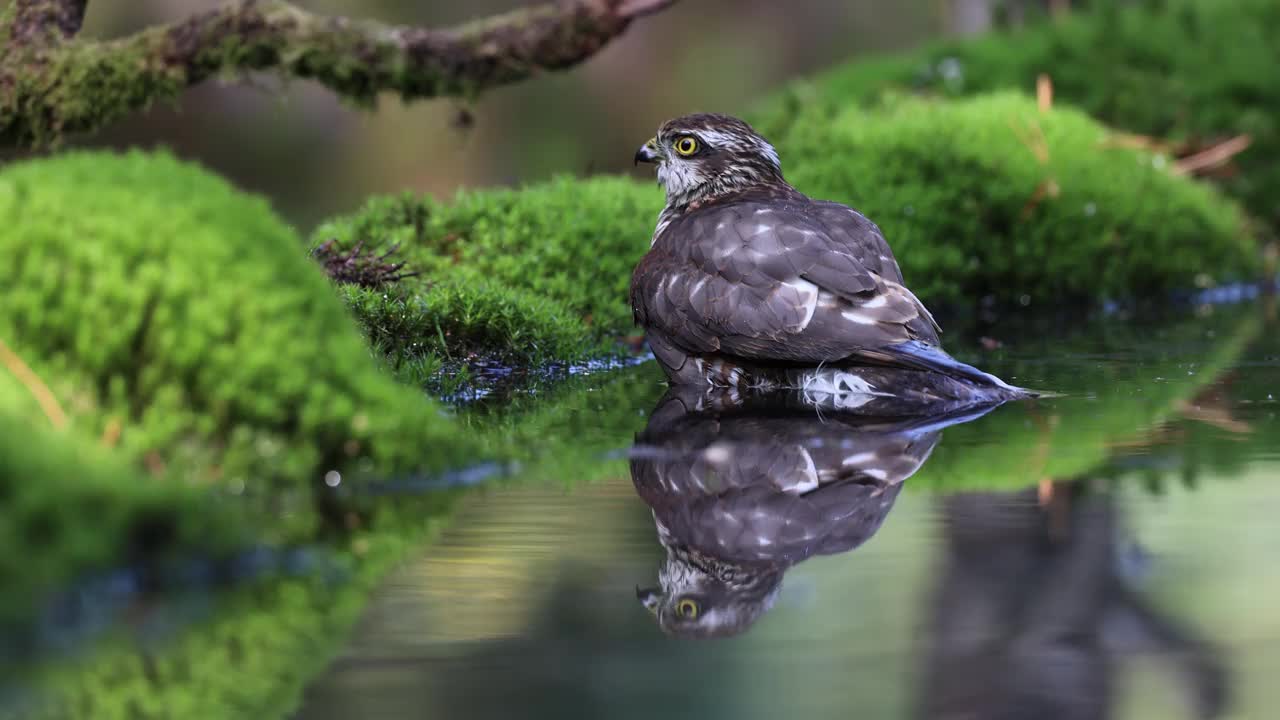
[922, 356]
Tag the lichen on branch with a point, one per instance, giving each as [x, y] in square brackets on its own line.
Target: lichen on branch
[53, 83]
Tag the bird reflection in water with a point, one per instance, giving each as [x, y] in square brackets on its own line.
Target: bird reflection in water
[742, 489]
[1033, 608]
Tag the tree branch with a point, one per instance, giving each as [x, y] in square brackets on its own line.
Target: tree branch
[47, 90]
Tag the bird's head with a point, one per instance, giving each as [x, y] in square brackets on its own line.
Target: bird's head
[705, 155]
[701, 598]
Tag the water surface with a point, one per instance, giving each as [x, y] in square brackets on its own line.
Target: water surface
[1108, 553]
[1104, 553]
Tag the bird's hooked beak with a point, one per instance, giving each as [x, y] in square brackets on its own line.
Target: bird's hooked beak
[648, 153]
[649, 597]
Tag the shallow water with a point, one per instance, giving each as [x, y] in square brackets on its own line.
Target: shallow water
[1105, 553]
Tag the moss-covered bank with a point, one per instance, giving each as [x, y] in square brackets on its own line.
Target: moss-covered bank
[522, 276]
[181, 321]
[1179, 70]
[981, 198]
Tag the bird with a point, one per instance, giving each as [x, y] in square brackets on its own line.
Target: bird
[742, 488]
[751, 284]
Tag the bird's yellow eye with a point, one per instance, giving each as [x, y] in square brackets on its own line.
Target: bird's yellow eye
[686, 145]
[687, 608]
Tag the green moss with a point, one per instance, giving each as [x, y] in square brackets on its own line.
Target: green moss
[81, 86]
[1176, 69]
[551, 262]
[974, 208]
[153, 296]
[459, 322]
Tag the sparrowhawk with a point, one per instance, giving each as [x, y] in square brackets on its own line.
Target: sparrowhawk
[749, 283]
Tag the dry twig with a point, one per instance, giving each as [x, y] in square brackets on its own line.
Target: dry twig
[358, 266]
[1215, 156]
[41, 392]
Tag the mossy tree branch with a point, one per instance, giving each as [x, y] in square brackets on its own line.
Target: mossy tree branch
[40, 21]
[52, 83]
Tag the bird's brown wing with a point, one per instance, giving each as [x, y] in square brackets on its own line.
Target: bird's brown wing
[851, 229]
[772, 281]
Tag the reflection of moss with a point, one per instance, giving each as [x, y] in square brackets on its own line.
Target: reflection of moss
[1107, 406]
[958, 188]
[153, 296]
[1188, 70]
[1240, 424]
[576, 432]
[70, 508]
[251, 658]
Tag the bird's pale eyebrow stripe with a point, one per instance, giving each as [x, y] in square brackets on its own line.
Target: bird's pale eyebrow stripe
[717, 138]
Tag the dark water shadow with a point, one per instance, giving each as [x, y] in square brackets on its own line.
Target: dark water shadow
[1033, 612]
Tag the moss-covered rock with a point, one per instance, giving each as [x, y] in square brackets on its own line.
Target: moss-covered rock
[155, 299]
[452, 320]
[1172, 69]
[989, 197]
[980, 198]
[521, 275]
